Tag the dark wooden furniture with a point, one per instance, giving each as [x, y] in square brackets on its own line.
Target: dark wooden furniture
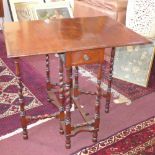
[83, 41]
[1, 9]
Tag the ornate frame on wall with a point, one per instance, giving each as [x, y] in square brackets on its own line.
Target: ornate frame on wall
[53, 10]
[70, 2]
[34, 9]
[12, 8]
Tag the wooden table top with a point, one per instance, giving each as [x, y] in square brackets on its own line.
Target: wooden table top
[62, 35]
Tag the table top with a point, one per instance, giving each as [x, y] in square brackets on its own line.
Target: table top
[63, 35]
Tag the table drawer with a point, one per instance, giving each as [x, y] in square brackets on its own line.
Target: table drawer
[84, 57]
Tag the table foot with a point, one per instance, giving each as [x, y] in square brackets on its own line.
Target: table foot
[49, 99]
[68, 142]
[107, 107]
[107, 110]
[94, 139]
[61, 131]
[25, 134]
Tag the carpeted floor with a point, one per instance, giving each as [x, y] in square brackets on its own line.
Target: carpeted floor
[137, 139]
[129, 90]
[44, 139]
[34, 97]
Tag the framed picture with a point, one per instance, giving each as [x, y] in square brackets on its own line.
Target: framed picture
[133, 63]
[53, 10]
[22, 9]
[70, 2]
[54, 0]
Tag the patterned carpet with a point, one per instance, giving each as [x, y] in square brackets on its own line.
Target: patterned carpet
[35, 99]
[34, 96]
[139, 139]
[131, 91]
[9, 93]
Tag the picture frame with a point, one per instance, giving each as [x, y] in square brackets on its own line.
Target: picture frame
[70, 2]
[53, 10]
[22, 10]
[53, 0]
[133, 63]
[13, 11]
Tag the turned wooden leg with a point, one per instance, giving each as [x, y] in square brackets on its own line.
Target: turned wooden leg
[68, 106]
[61, 95]
[71, 84]
[22, 105]
[76, 84]
[97, 105]
[95, 135]
[48, 84]
[110, 81]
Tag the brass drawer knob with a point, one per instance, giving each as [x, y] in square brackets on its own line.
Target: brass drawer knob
[86, 57]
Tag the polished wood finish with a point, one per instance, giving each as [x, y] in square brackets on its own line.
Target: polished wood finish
[84, 57]
[72, 92]
[1, 9]
[21, 102]
[63, 35]
[108, 93]
[81, 41]
[61, 96]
